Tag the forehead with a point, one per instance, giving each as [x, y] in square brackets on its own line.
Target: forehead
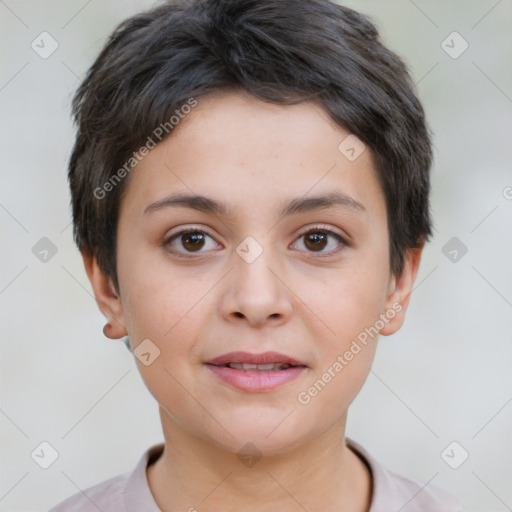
[250, 154]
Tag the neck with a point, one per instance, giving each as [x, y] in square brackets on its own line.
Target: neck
[322, 474]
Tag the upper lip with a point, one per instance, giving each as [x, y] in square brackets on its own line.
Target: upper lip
[252, 358]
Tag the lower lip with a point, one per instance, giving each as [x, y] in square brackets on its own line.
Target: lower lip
[256, 381]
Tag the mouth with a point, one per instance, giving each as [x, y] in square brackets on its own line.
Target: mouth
[265, 361]
[246, 367]
[256, 372]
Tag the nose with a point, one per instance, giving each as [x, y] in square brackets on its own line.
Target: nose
[255, 292]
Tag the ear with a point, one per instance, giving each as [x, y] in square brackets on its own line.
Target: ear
[399, 292]
[107, 298]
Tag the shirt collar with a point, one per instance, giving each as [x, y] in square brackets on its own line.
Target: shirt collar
[137, 494]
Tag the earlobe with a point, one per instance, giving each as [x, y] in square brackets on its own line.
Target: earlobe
[106, 296]
[399, 293]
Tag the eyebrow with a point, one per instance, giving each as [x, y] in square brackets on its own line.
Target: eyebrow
[290, 207]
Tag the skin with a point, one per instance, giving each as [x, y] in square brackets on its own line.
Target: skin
[254, 156]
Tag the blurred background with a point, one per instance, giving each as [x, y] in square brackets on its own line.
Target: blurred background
[437, 406]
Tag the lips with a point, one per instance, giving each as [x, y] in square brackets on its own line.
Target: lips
[256, 373]
[269, 361]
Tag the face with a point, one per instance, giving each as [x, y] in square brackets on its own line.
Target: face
[269, 269]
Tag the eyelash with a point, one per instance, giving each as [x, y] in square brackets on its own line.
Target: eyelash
[313, 229]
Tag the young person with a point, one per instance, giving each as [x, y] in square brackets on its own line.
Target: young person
[250, 194]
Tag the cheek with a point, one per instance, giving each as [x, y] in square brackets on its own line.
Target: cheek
[345, 350]
[155, 301]
[345, 303]
[348, 305]
[162, 308]
[167, 318]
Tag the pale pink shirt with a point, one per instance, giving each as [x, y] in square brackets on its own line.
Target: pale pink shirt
[130, 492]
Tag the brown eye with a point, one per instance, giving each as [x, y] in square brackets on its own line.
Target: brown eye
[188, 241]
[192, 241]
[317, 240]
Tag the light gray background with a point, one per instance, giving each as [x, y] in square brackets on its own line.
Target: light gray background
[445, 376]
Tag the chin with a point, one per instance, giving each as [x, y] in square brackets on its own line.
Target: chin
[263, 438]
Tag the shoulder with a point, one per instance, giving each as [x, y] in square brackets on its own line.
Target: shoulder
[106, 496]
[417, 497]
[392, 491]
[128, 492]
